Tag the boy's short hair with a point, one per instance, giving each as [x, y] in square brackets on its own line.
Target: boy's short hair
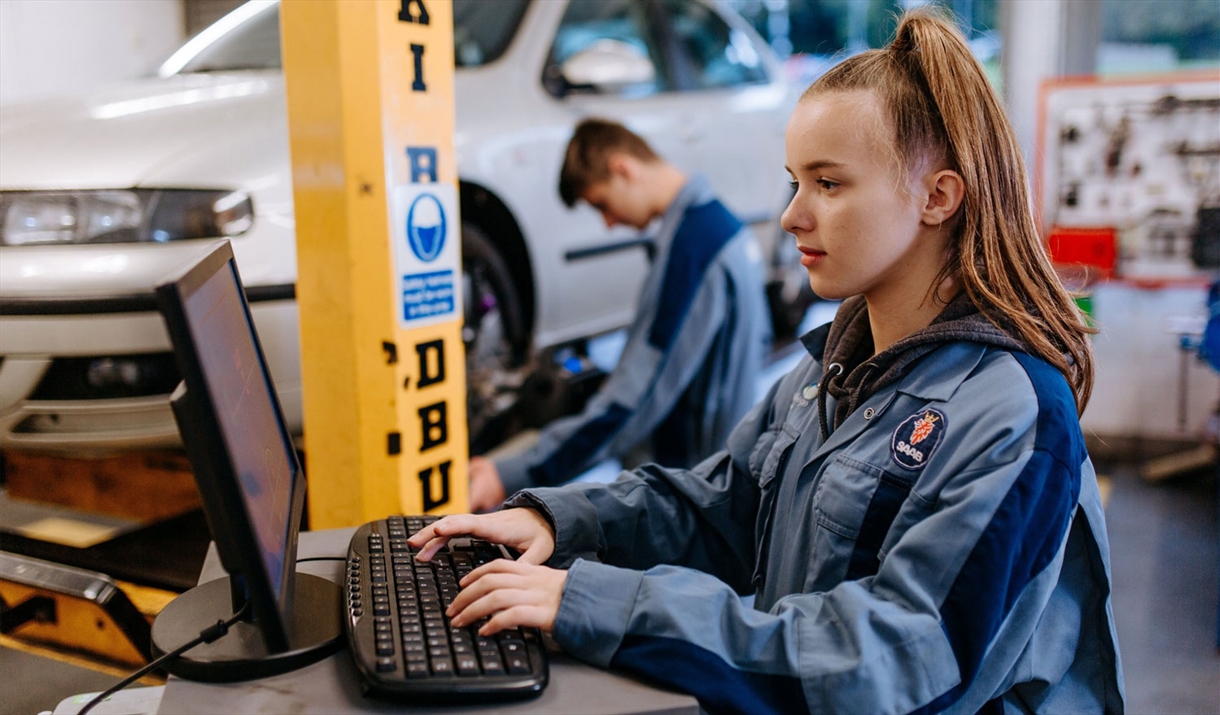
[586, 160]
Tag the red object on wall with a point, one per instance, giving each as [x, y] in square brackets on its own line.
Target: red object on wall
[1096, 248]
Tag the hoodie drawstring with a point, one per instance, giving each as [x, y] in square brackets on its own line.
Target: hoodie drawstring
[826, 378]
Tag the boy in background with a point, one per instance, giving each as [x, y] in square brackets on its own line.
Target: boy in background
[698, 340]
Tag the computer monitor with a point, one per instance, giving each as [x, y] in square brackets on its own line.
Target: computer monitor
[251, 485]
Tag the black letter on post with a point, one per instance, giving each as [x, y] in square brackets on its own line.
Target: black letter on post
[425, 478]
[418, 85]
[404, 12]
[416, 157]
[434, 426]
[426, 376]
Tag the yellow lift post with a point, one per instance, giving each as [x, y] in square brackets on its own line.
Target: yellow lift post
[371, 116]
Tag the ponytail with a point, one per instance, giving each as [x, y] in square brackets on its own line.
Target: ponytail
[942, 107]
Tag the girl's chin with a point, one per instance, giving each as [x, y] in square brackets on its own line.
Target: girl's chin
[824, 290]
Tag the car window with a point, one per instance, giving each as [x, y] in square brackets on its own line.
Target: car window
[587, 23]
[482, 30]
[709, 53]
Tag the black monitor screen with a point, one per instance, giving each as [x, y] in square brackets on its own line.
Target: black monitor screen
[242, 455]
[241, 397]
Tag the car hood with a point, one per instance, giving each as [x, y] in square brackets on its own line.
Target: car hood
[128, 135]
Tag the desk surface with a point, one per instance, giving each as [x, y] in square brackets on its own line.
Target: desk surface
[332, 686]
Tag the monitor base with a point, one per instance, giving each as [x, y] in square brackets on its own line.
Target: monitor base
[315, 632]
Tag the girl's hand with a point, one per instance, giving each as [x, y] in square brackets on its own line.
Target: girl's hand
[509, 594]
[524, 530]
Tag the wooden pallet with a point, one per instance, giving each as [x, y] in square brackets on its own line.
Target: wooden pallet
[146, 485]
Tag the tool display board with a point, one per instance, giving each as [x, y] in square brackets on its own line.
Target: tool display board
[1128, 176]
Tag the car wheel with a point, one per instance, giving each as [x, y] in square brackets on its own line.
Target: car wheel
[494, 334]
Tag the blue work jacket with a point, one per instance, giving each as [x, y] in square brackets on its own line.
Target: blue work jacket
[688, 372]
[944, 549]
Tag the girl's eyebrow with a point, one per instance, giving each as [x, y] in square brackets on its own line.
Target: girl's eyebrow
[819, 164]
[822, 164]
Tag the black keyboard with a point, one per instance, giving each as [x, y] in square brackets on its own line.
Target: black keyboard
[397, 631]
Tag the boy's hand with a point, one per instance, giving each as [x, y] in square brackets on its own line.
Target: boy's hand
[524, 530]
[486, 489]
[509, 594]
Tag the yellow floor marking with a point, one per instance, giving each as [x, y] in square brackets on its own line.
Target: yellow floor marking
[69, 532]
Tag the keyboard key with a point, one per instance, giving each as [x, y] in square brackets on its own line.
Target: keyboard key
[385, 665]
[467, 665]
[491, 665]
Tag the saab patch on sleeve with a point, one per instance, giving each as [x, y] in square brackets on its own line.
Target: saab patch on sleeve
[917, 437]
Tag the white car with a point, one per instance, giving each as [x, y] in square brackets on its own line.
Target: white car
[101, 196]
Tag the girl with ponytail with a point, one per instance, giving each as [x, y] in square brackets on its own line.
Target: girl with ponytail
[912, 508]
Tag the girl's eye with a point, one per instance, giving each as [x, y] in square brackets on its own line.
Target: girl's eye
[826, 184]
[793, 185]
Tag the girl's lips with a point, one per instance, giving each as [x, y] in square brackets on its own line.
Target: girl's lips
[810, 257]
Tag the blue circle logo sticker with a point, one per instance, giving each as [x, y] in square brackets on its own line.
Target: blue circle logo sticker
[426, 227]
[917, 438]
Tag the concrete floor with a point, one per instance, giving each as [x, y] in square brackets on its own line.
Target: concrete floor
[1165, 551]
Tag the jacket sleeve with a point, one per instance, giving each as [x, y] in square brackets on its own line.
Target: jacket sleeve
[970, 573]
[704, 517]
[651, 374]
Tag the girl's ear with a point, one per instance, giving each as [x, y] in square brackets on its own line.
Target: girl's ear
[945, 192]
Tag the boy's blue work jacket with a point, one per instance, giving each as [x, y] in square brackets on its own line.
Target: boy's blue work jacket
[689, 370]
[943, 550]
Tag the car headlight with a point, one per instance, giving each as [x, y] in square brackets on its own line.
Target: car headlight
[132, 216]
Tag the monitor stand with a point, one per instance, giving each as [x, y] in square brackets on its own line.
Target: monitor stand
[315, 632]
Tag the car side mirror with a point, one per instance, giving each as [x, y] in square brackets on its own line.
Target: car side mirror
[608, 67]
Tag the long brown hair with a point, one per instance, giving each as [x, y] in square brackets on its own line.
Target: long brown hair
[941, 104]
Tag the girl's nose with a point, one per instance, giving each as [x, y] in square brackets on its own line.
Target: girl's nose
[795, 219]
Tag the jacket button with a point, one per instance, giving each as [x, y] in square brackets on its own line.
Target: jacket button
[869, 412]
